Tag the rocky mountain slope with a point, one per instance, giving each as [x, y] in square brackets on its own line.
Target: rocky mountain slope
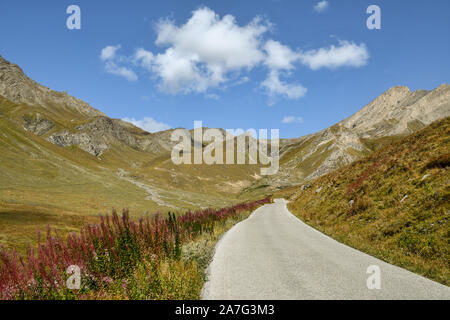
[17, 87]
[49, 138]
[79, 123]
[61, 145]
[395, 113]
[400, 111]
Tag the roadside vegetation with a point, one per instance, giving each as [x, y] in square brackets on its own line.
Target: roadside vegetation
[153, 258]
[393, 204]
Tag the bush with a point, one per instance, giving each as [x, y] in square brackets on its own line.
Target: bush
[108, 255]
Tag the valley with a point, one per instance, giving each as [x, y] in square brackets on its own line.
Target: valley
[63, 163]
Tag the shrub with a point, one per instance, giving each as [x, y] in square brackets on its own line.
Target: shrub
[108, 254]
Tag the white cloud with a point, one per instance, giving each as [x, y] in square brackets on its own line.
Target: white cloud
[275, 86]
[144, 58]
[321, 6]
[215, 41]
[212, 96]
[279, 56]
[148, 124]
[180, 73]
[292, 119]
[113, 68]
[202, 52]
[346, 54]
[109, 52]
[213, 52]
[109, 56]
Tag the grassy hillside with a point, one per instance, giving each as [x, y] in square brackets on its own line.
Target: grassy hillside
[393, 204]
[42, 183]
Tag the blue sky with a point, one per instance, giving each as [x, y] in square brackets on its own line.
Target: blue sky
[267, 61]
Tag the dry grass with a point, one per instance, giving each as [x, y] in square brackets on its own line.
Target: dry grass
[41, 183]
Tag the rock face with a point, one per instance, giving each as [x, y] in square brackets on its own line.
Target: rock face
[99, 134]
[86, 142]
[39, 126]
[110, 130]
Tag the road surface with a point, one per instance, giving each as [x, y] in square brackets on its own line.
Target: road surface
[274, 255]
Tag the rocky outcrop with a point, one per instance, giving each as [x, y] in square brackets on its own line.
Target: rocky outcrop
[37, 125]
[96, 136]
[110, 130]
[83, 140]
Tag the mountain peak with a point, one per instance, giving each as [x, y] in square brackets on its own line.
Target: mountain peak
[442, 87]
[402, 88]
[397, 89]
[394, 111]
[16, 86]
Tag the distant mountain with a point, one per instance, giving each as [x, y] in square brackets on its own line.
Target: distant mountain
[59, 154]
[395, 113]
[399, 111]
[49, 138]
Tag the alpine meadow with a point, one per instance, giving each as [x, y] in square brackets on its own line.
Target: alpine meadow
[227, 151]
